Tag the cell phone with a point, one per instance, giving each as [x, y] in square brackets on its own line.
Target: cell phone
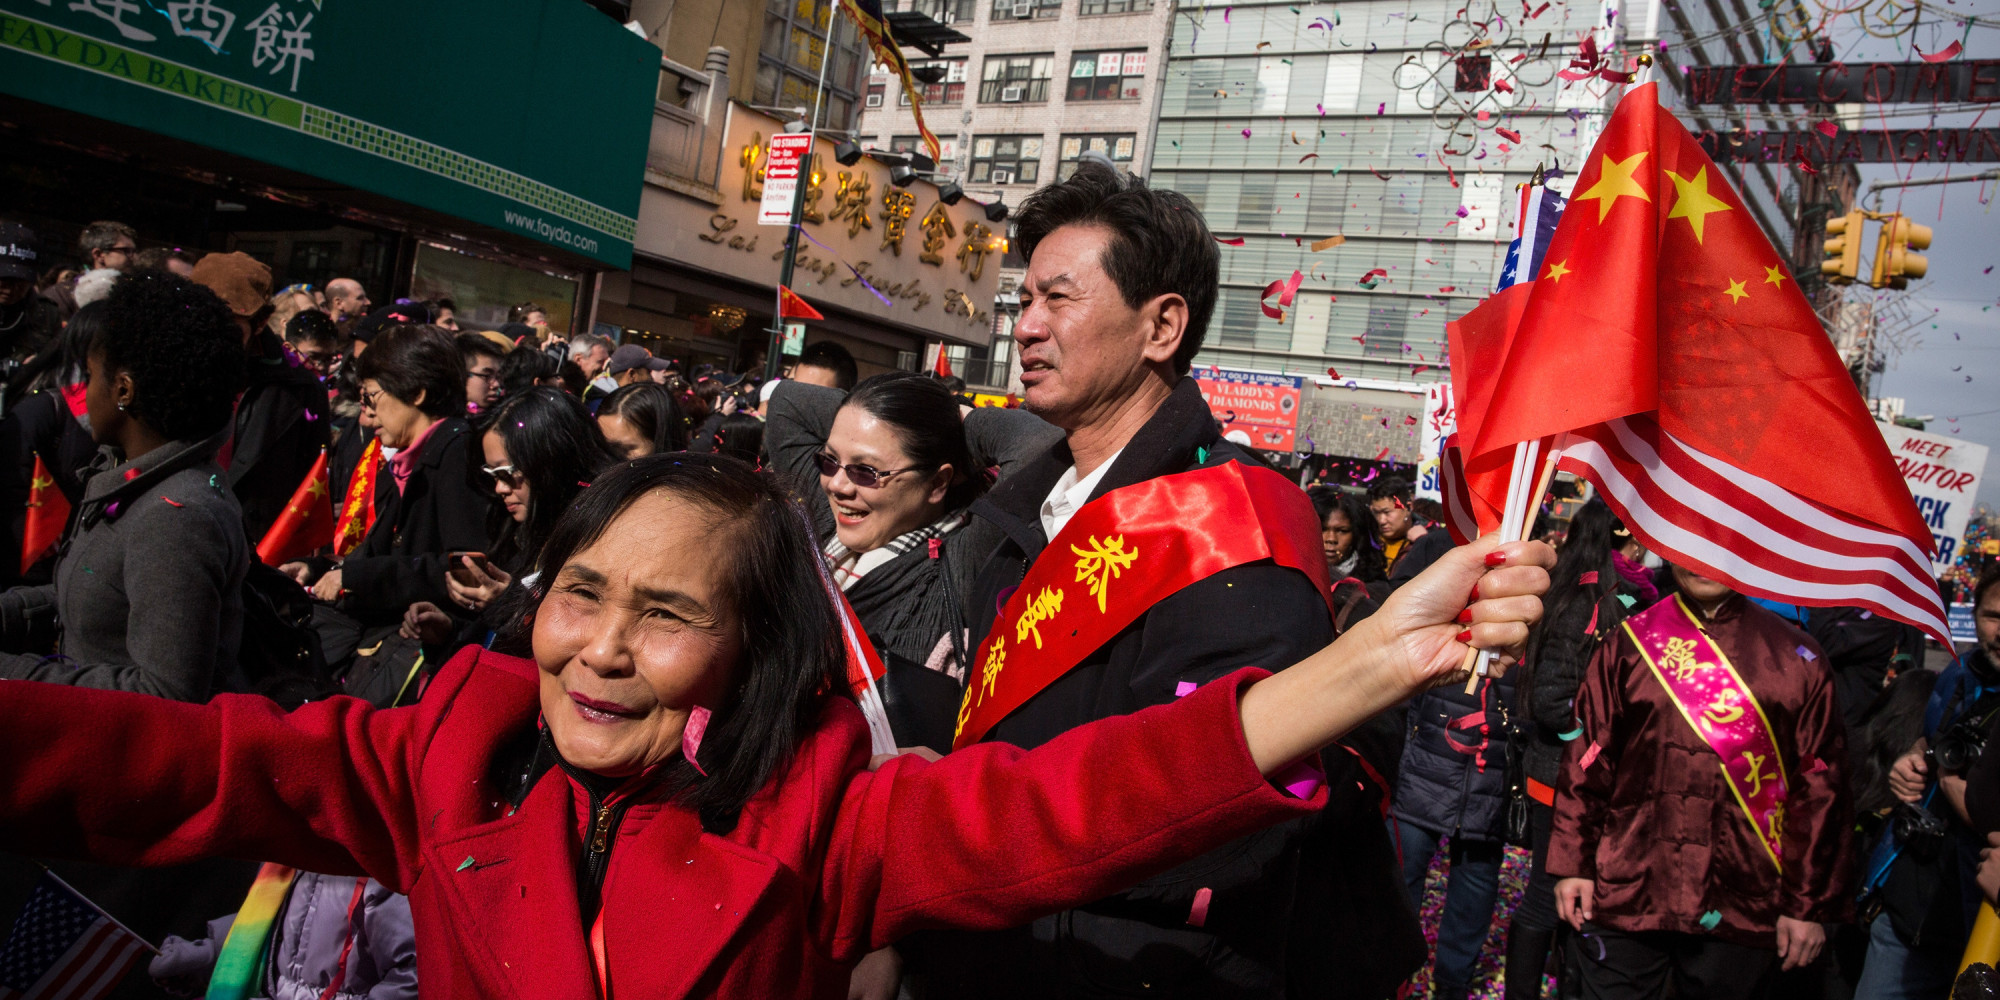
[457, 570]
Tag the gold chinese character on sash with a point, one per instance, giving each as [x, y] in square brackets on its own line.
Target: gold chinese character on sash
[1680, 657]
[1755, 772]
[972, 253]
[897, 205]
[1040, 608]
[753, 168]
[1723, 711]
[1778, 824]
[1102, 563]
[850, 202]
[809, 173]
[989, 672]
[938, 230]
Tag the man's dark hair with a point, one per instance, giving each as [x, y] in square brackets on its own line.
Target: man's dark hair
[519, 314]
[181, 346]
[653, 411]
[1159, 243]
[472, 347]
[103, 235]
[409, 361]
[1986, 581]
[311, 326]
[1392, 488]
[792, 659]
[834, 358]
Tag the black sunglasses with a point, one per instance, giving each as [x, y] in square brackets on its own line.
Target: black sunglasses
[864, 476]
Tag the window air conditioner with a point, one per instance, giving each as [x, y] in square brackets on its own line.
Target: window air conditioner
[1012, 95]
[1003, 177]
[1024, 8]
[874, 100]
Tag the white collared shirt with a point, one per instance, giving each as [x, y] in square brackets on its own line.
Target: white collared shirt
[1070, 494]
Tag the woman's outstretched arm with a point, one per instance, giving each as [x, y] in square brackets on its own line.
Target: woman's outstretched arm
[1416, 641]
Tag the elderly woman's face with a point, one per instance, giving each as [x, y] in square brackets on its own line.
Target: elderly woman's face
[635, 633]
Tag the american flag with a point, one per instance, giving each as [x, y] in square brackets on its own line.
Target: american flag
[63, 948]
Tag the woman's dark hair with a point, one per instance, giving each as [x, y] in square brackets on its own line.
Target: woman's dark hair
[653, 411]
[1159, 244]
[1369, 566]
[312, 326]
[924, 415]
[1586, 549]
[553, 444]
[182, 348]
[707, 398]
[573, 379]
[741, 437]
[408, 361]
[524, 368]
[792, 655]
[61, 361]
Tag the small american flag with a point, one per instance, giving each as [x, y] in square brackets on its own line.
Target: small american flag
[63, 948]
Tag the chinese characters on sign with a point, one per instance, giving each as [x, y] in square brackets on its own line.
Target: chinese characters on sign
[281, 39]
[896, 208]
[938, 229]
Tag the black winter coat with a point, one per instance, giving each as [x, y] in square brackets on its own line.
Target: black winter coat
[1140, 942]
[440, 511]
[282, 424]
[1454, 774]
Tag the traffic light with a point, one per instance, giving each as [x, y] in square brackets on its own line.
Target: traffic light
[1895, 265]
[1843, 248]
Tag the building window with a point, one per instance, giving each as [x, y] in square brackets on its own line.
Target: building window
[1006, 159]
[1117, 146]
[950, 90]
[1114, 6]
[941, 11]
[947, 147]
[794, 45]
[1023, 9]
[1106, 76]
[1015, 79]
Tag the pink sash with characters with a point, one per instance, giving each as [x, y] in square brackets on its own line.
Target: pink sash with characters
[1713, 699]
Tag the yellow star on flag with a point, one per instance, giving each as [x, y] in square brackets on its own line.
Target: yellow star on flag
[1736, 292]
[316, 489]
[1557, 270]
[1615, 181]
[1773, 275]
[1692, 200]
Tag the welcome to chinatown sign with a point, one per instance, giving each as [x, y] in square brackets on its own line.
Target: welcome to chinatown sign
[528, 116]
[1972, 81]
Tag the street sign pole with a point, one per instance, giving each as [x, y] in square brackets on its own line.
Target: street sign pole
[773, 359]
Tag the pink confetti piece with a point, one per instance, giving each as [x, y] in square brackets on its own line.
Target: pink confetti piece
[1185, 688]
[1946, 54]
[1806, 654]
[1511, 135]
[1198, 913]
[691, 734]
[1234, 241]
[1828, 129]
[1302, 779]
[1590, 577]
[172, 502]
[1590, 756]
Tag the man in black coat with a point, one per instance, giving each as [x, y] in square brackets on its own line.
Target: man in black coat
[1120, 285]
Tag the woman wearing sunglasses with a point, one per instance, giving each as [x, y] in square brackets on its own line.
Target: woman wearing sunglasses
[893, 461]
[541, 449]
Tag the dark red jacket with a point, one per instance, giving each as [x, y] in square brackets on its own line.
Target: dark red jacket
[829, 862]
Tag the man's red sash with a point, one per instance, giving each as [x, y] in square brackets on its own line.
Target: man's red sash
[1123, 553]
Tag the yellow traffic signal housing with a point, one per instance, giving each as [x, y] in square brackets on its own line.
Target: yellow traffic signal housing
[1843, 248]
[1894, 263]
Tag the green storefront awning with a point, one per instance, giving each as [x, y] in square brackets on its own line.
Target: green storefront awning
[530, 117]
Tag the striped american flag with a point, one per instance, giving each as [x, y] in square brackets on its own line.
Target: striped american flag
[63, 948]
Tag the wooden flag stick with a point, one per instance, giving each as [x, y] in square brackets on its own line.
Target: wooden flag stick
[87, 901]
[1477, 660]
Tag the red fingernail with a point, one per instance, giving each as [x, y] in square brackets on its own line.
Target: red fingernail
[1495, 557]
[1475, 594]
[1465, 617]
[1465, 636]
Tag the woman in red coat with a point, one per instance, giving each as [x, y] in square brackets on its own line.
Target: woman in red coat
[669, 799]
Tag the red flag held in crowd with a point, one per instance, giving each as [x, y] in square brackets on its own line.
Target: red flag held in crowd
[791, 306]
[48, 514]
[942, 368]
[357, 508]
[306, 523]
[1697, 389]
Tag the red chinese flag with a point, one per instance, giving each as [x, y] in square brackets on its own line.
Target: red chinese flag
[1699, 391]
[942, 369]
[48, 514]
[306, 523]
[791, 306]
[357, 509]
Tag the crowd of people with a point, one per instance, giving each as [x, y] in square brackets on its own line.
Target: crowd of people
[566, 704]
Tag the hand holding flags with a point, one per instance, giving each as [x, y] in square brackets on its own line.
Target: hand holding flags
[1696, 388]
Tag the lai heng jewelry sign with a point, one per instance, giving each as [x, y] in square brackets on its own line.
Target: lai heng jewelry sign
[864, 245]
[302, 84]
